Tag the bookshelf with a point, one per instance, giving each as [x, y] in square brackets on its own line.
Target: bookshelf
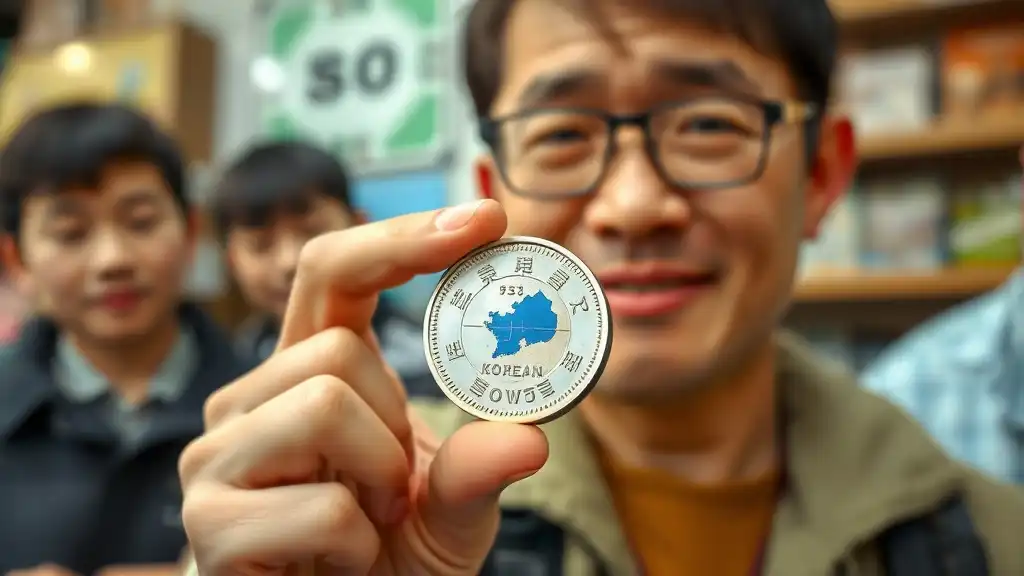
[858, 290]
[852, 13]
[996, 132]
[877, 24]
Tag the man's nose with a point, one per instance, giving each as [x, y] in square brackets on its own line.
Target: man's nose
[633, 200]
[112, 254]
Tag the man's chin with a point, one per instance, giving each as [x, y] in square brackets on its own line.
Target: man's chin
[653, 380]
[120, 330]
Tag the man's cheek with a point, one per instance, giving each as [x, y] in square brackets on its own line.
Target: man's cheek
[555, 221]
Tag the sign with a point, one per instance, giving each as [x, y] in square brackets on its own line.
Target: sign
[367, 80]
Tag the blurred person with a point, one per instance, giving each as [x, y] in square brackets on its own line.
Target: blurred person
[683, 150]
[962, 375]
[273, 199]
[105, 386]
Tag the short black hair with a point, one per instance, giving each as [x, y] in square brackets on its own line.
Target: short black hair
[70, 144]
[803, 33]
[273, 175]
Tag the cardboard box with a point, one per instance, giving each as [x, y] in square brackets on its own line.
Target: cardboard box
[168, 70]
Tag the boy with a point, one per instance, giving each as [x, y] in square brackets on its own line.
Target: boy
[273, 199]
[100, 396]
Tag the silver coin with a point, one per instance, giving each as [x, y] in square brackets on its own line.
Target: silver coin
[517, 331]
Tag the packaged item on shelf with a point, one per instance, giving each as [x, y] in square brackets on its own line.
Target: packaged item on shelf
[985, 225]
[838, 243]
[983, 70]
[902, 228]
[888, 90]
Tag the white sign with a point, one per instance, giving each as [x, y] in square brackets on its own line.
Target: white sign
[368, 80]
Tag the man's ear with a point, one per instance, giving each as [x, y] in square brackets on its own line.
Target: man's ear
[14, 267]
[11, 258]
[486, 174]
[832, 171]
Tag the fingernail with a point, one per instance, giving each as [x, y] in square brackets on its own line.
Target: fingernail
[457, 216]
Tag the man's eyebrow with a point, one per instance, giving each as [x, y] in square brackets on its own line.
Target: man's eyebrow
[722, 74]
[547, 88]
[137, 197]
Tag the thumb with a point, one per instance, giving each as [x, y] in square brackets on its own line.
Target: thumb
[460, 508]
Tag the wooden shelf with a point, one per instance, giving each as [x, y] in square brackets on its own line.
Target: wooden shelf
[868, 24]
[857, 12]
[952, 283]
[945, 138]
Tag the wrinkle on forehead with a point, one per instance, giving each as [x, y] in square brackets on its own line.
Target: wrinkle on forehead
[747, 20]
[551, 42]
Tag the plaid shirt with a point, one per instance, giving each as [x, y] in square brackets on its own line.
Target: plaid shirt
[962, 376]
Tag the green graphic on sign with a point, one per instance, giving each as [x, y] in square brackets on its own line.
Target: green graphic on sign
[366, 79]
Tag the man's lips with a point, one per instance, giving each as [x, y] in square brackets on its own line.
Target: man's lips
[653, 290]
[120, 299]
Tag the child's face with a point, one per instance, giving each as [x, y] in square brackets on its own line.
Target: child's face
[107, 263]
[264, 256]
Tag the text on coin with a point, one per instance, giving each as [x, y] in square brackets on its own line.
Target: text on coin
[455, 350]
[558, 279]
[461, 299]
[487, 273]
[512, 370]
[572, 362]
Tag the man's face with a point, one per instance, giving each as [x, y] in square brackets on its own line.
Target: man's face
[264, 255]
[696, 278]
[107, 263]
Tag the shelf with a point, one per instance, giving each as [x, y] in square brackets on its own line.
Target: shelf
[1000, 132]
[952, 283]
[857, 12]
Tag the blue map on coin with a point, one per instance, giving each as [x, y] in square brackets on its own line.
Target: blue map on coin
[531, 321]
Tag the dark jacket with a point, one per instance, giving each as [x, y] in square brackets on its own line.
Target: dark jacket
[70, 494]
[869, 494]
[400, 338]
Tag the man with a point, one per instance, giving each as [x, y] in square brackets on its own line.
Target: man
[680, 150]
[99, 397]
[272, 200]
[962, 375]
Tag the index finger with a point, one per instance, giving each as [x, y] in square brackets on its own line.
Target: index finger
[340, 274]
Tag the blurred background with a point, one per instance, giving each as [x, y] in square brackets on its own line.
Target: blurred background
[936, 89]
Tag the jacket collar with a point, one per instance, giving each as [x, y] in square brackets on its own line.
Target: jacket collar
[29, 385]
[890, 470]
[1010, 384]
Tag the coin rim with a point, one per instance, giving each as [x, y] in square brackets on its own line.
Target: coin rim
[583, 391]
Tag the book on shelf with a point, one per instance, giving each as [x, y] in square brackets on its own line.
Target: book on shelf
[982, 71]
[917, 224]
[888, 90]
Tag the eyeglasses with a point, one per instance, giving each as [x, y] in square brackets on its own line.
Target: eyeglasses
[701, 143]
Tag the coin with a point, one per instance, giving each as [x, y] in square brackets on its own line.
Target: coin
[517, 330]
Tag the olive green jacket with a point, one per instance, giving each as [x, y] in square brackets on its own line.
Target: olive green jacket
[857, 466]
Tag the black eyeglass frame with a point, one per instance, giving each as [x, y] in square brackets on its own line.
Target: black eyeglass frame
[776, 112]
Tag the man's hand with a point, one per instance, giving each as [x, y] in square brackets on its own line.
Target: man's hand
[392, 501]
[43, 570]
